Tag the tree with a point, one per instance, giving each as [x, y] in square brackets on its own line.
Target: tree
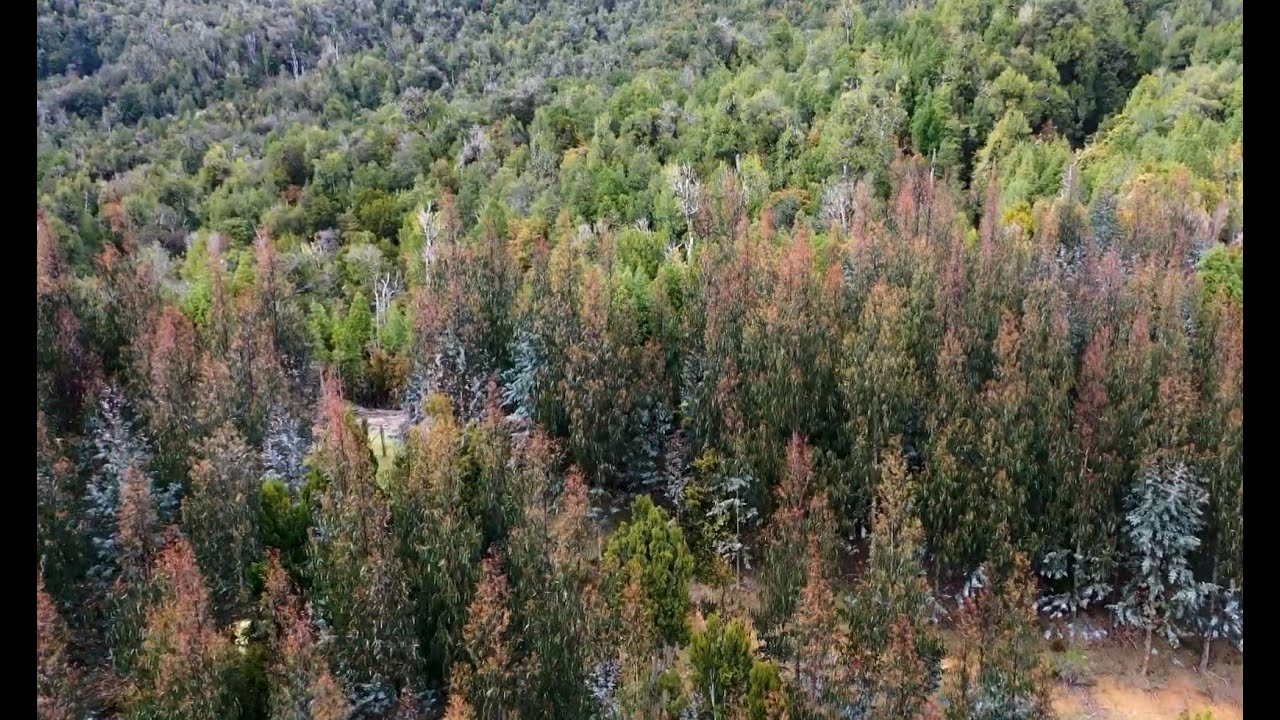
[1224, 613]
[220, 514]
[60, 693]
[61, 546]
[361, 588]
[766, 699]
[655, 544]
[439, 540]
[116, 451]
[688, 190]
[721, 656]
[489, 672]
[801, 515]
[183, 656]
[630, 684]
[351, 341]
[998, 671]
[824, 663]
[301, 685]
[1164, 519]
[284, 449]
[893, 592]
[881, 379]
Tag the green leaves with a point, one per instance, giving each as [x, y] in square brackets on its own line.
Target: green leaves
[655, 545]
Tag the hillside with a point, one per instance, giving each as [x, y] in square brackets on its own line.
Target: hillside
[643, 358]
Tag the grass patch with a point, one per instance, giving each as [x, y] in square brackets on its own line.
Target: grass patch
[1071, 665]
[385, 448]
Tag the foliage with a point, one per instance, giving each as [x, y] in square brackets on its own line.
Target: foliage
[859, 287]
[1163, 525]
[655, 545]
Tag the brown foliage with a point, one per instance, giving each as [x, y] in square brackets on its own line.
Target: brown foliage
[59, 685]
[183, 654]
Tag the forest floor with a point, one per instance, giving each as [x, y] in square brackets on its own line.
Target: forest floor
[1117, 691]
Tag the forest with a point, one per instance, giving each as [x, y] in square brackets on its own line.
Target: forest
[758, 359]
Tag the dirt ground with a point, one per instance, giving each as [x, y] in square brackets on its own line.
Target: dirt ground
[1119, 692]
[392, 422]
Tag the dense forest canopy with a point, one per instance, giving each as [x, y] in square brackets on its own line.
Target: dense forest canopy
[881, 317]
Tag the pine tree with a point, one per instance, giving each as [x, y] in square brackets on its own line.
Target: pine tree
[1164, 520]
[766, 699]
[721, 655]
[901, 687]
[656, 544]
[1091, 492]
[637, 673]
[67, 368]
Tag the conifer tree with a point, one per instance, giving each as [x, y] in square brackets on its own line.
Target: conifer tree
[1163, 525]
[721, 654]
[655, 543]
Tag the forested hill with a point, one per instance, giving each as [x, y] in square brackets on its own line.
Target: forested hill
[954, 287]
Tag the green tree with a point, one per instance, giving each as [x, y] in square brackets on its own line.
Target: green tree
[721, 656]
[655, 545]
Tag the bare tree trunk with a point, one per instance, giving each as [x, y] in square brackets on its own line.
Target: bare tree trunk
[1204, 654]
[1213, 608]
[1146, 655]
